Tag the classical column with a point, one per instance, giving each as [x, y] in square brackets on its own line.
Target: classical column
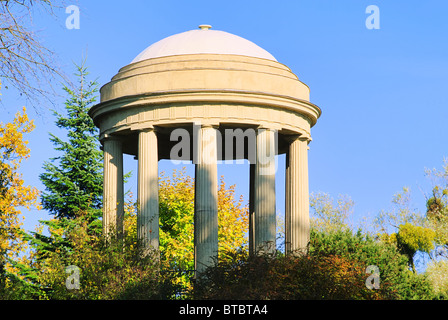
[148, 191]
[206, 200]
[297, 223]
[287, 202]
[264, 220]
[251, 207]
[113, 197]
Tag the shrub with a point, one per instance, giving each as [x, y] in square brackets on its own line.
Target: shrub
[115, 270]
[334, 268]
[280, 277]
[397, 281]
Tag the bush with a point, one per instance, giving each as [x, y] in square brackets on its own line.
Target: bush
[116, 270]
[397, 281]
[280, 277]
[334, 268]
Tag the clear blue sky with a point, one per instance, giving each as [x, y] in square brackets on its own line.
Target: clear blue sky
[383, 92]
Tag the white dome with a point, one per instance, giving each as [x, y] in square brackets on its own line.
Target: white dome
[203, 41]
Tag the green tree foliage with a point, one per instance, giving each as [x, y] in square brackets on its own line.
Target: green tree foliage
[73, 180]
[406, 228]
[397, 281]
[176, 203]
[411, 239]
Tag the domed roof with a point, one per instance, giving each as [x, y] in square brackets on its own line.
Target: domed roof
[203, 40]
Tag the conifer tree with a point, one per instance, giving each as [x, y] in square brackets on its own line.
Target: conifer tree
[73, 180]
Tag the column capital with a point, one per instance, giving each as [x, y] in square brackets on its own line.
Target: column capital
[301, 137]
[207, 124]
[148, 129]
[143, 127]
[266, 126]
[109, 137]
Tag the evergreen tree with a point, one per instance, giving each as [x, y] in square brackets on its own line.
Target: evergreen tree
[73, 180]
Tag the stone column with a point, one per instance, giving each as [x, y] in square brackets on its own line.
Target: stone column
[113, 196]
[287, 202]
[206, 200]
[251, 207]
[297, 223]
[264, 219]
[148, 191]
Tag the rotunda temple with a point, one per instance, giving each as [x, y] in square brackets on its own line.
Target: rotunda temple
[235, 101]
